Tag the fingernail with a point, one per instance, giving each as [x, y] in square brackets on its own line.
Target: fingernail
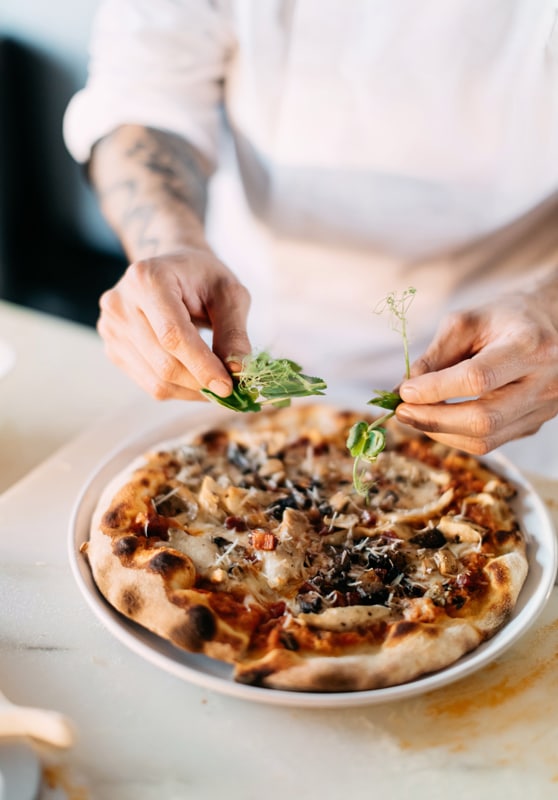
[220, 388]
[234, 362]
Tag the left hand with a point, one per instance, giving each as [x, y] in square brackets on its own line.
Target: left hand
[504, 356]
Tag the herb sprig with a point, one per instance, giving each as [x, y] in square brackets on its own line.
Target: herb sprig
[367, 440]
[263, 380]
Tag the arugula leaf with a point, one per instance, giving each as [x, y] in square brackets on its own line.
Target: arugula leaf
[237, 401]
[264, 380]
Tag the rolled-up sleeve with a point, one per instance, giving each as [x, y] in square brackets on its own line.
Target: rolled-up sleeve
[160, 64]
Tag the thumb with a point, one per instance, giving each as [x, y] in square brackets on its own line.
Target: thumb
[432, 378]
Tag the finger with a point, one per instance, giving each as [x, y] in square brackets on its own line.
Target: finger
[481, 425]
[130, 361]
[481, 418]
[165, 365]
[228, 313]
[526, 426]
[136, 336]
[175, 332]
[483, 373]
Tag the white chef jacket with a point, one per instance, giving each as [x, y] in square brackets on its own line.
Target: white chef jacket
[378, 144]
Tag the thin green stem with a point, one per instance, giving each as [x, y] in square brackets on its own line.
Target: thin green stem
[380, 421]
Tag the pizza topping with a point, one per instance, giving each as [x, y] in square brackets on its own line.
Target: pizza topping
[277, 507]
[273, 469]
[335, 619]
[446, 562]
[259, 527]
[363, 552]
[432, 538]
[178, 503]
[460, 529]
[235, 524]
[487, 511]
[347, 521]
[152, 525]
[363, 574]
[208, 498]
[263, 540]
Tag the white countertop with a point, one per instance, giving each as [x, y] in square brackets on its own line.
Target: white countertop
[143, 733]
[60, 382]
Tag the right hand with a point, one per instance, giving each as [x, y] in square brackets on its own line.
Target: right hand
[149, 322]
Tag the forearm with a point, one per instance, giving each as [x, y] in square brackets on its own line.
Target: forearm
[152, 188]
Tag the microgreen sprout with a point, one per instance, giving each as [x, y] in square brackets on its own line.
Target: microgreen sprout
[399, 305]
[367, 440]
[263, 380]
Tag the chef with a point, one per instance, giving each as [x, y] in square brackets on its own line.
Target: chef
[275, 168]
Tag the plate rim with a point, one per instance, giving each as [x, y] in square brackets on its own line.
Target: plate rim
[137, 639]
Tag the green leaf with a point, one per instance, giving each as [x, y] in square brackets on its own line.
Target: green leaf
[374, 443]
[236, 401]
[281, 403]
[357, 438]
[387, 400]
[365, 442]
[264, 380]
[295, 384]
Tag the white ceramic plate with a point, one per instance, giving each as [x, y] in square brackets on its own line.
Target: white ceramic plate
[210, 674]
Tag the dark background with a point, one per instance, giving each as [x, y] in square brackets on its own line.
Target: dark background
[49, 259]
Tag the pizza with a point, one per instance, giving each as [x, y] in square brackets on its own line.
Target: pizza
[244, 540]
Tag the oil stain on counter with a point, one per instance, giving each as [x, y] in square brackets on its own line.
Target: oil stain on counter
[506, 712]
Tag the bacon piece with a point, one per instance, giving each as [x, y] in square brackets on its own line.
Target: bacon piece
[263, 540]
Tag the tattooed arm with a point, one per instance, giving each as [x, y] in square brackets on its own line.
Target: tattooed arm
[152, 187]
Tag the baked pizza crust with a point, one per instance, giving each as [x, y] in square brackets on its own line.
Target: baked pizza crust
[411, 650]
[139, 561]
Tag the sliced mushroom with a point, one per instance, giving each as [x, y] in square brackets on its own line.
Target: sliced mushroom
[234, 499]
[460, 530]
[293, 525]
[344, 521]
[273, 467]
[340, 617]
[338, 501]
[499, 488]
[446, 562]
[209, 498]
[424, 512]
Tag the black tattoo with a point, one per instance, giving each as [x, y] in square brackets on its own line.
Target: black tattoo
[179, 177]
[134, 214]
[184, 175]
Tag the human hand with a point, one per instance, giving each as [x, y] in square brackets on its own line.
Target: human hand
[504, 356]
[150, 324]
